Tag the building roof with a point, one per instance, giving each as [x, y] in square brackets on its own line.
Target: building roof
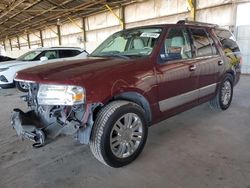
[21, 16]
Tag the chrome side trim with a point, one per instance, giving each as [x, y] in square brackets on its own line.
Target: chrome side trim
[186, 97]
[207, 90]
[178, 100]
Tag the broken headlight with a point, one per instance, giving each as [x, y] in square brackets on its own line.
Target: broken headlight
[60, 95]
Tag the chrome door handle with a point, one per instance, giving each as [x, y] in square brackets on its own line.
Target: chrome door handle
[192, 67]
[220, 62]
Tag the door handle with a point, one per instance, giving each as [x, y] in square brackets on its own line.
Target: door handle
[192, 67]
[220, 62]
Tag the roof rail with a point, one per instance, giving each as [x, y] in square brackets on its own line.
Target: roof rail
[196, 23]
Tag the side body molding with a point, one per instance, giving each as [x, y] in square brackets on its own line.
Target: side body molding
[178, 100]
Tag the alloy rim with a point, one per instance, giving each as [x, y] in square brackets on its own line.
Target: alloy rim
[126, 135]
[226, 93]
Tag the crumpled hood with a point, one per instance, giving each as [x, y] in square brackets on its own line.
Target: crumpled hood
[71, 71]
[8, 64]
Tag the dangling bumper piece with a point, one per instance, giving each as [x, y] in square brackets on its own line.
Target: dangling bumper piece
[27, 127]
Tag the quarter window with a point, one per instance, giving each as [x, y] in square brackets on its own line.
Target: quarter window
[227, 40]
[203, 44]
[230, 47]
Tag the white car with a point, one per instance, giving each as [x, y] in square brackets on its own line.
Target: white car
[33, 58]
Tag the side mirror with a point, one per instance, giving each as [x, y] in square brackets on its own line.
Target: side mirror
[44, 58]
[172, 53]
[170, 56]
[174, 50]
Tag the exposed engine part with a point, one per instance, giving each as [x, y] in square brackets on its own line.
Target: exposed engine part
[48, 121]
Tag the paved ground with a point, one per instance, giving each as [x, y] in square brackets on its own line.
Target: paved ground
[197, 149]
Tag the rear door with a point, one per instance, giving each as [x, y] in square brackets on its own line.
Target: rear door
[210, 62]
[177, 72]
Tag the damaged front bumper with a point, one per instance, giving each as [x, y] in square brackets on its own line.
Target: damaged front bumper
[28, 126]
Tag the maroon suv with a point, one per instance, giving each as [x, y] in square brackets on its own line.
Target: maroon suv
[135, 78]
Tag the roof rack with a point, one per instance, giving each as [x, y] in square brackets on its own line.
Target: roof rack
[196, 23]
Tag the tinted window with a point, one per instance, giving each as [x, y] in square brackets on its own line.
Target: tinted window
[176, 45]
[203, 45]
[68, 53]
[230, 47]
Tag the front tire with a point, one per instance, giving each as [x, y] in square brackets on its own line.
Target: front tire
[119, 133]
[224, 96]
[22, 86]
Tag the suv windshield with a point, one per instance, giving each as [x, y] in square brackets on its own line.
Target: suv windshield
[129, 43]
[29, 56]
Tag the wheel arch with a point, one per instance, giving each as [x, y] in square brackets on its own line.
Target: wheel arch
[232, 73]
[138, 99]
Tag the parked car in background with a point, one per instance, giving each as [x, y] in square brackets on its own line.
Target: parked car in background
[33, 58]
[5, 58]
[135, 78]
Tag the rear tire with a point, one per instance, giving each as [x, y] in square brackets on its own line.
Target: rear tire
[224, 96]
[119, 133]
[22, 86]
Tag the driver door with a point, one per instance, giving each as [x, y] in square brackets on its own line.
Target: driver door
[177, 73]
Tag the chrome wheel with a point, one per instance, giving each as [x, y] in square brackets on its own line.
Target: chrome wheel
[126, 135]
[226, 93]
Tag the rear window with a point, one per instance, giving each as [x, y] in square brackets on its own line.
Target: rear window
[230, 47]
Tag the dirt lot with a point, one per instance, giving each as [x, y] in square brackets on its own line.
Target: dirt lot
[197, 149]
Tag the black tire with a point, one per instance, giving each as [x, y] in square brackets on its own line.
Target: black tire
[100, 141]
[7, 86]
[20, 87]
[217, 102]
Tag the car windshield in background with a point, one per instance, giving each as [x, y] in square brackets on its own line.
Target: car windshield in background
[29, 56]
[129, 43]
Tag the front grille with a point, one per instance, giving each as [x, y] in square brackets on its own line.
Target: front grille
[3, 79]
